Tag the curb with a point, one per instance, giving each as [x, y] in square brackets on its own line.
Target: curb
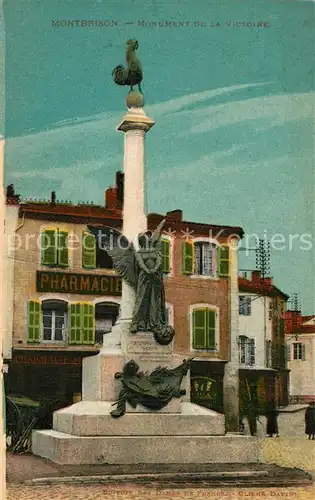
[120, 478]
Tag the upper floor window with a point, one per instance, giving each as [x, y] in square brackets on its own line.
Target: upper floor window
[204, 329]
[205, 259]
[54, 248]
[298, 351]
[93, 254]
[244, 305]
[247, 354]
[47, 320]
[76, 323]
[204, 262]
[54, 315]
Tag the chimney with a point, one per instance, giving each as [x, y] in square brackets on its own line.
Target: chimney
[268, 281]
[53, 198]
[10, 195]
[10, 191]
[111, 198]
[256, 276]
[174, 215]
[120, 178]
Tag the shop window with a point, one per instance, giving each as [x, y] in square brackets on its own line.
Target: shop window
[245, 305]
[299, 351]
[203, 329]
[205, 259]
[247, 351]
[54, 248]
[106, 315]
[54, 316]
[94, 254]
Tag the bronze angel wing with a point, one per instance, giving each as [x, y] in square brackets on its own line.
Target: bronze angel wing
[156, 236]
[119, 249]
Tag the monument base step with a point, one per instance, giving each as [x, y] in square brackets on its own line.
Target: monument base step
[68, 449]
[90, 418]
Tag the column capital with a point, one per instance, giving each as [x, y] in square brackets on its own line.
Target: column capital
[135, 119]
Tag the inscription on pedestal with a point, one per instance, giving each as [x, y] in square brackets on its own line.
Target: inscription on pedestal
[144, 343]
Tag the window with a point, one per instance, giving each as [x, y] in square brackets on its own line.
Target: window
[54, 315]
[54, 248]
[47, 321]
[205, 259]
[298, 351]
[204, 329]
[106, 314]
[247, 354]
[244, 305]
[93, 253]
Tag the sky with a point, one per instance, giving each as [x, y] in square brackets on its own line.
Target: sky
[233, 142]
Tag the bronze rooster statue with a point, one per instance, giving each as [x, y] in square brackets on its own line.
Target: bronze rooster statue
[132, 75]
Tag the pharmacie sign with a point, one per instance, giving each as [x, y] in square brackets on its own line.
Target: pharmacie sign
[94, 284]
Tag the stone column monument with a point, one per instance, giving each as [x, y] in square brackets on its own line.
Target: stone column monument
[135, 406]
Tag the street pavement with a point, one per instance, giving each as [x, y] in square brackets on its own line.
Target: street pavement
[296, 452]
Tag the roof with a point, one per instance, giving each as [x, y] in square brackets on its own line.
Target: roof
[261, 287]
[88, 213]
[68, 212]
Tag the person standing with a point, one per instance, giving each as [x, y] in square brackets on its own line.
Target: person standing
[272, 421]
[310, 420]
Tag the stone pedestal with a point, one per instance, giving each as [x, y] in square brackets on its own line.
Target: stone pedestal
[85, 433]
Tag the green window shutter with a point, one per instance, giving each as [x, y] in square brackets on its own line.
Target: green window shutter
[166, 254]
[49, 247]
[199, 320]
[188, 257]
[63, 250]
[303, 346]
[76, 326]
[88, 322]
[210, 329]
[34, 321]
[224, 260]
[88, 251]
[288, 352]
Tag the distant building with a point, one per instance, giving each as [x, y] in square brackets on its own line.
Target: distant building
[63, 294]
[300, 338]
[261, 342]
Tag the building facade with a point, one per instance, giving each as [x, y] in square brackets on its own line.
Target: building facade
[63, 294]
[261, 342]
[300, 338]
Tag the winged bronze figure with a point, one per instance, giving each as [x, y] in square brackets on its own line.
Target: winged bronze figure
[141, 269]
